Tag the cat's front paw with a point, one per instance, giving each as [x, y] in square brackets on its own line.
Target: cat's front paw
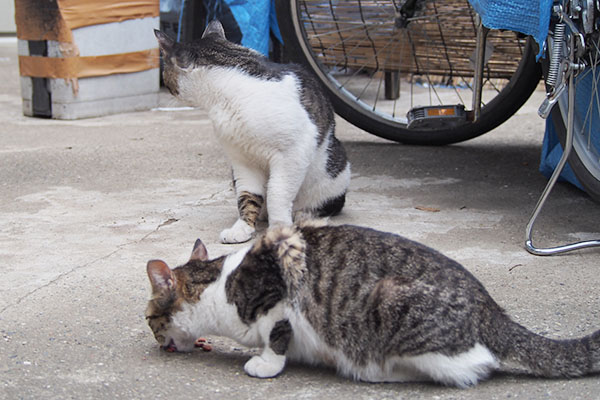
[240, 232]
[258, 367]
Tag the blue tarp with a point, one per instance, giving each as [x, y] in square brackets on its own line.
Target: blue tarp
[256, 18]
[167, 6]
[531, 17]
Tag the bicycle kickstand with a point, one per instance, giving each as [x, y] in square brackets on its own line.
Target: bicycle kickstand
[561, 164]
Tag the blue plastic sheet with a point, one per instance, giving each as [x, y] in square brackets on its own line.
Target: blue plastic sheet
[168, 6]
[531, 17]
[256, 19]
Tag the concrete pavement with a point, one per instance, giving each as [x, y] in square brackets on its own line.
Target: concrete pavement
[84, 204]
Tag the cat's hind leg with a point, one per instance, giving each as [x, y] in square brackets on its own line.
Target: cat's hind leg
[323, 192]
[332, 207]
[249, 187]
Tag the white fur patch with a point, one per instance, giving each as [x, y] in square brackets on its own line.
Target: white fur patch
[463, 370]
[269, 138]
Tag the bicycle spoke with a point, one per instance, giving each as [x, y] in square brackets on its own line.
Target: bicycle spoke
[597, 95]
[395, 105]
[312, 25]
[391, 41]
[358, 27]
[595, 100]
[587, 123]
[337, 26]
[358, 44]
[381, 78]
[430, 83]
[590, 108]
[378, 91]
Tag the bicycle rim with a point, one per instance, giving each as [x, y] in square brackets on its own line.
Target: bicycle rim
[353, 45]
[585, 159]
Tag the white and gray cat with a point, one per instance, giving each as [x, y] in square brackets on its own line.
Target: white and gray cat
[376, 306]
[273, 121]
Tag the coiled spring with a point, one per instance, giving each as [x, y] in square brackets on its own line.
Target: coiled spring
[557, 51]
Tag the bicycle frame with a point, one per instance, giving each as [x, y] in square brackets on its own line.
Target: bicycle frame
[561, 70]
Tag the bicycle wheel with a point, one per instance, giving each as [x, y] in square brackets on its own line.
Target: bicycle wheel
[378, 59]
[585, 157]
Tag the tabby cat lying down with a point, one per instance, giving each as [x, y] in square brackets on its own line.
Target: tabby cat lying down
[377, 306]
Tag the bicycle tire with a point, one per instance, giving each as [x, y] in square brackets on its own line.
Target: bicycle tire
[584, 159]
[517, 89]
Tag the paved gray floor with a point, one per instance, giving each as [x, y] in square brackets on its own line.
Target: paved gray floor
[84, 205]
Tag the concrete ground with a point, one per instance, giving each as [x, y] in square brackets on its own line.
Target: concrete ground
[85, 204]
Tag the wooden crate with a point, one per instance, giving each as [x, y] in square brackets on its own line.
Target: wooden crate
[86, 58]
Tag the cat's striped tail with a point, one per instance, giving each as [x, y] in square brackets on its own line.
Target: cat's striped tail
[522, 351]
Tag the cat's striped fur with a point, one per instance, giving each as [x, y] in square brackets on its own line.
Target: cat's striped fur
[376, 306]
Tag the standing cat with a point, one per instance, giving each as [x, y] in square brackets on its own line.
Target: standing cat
[377, 306]
[273, 121]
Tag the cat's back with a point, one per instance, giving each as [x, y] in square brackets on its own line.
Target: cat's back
[373, 294]
[268, 82]
[346, 262]
[380, 252]
[219, 52]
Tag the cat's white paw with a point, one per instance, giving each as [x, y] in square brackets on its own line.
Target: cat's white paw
[240, 232]
[258, 367]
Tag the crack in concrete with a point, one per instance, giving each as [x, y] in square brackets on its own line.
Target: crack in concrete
[64, 274]
[212, 196]
[164, 223]
[59, 277]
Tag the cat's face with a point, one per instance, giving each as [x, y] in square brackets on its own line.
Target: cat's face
[171, 67]
[166, 304]
[174, 294]
[179, 57]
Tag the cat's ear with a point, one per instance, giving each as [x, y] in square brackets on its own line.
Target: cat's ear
[214, 27]
[199, 252]
[161, 276]
[164, 42]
